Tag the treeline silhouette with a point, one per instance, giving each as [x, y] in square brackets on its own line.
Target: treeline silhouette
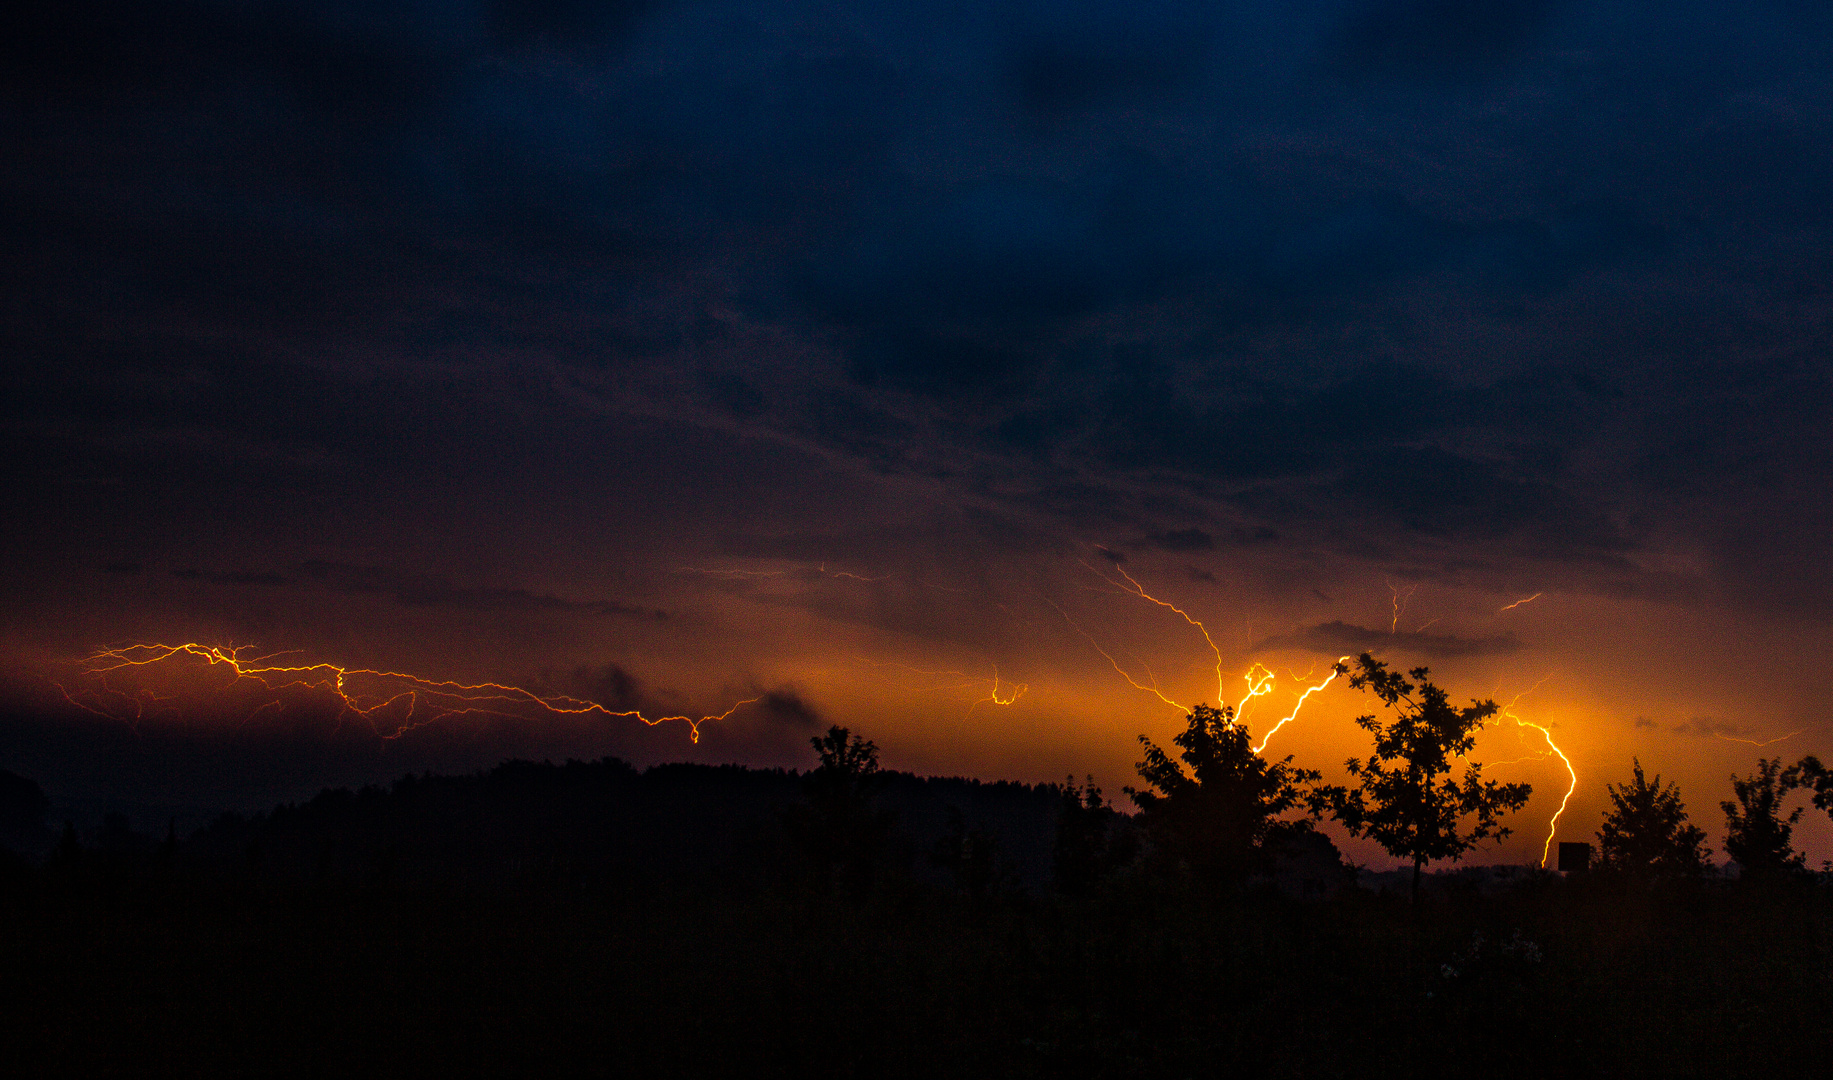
[849, 920]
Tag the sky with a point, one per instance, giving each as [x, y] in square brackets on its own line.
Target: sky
[865, 362]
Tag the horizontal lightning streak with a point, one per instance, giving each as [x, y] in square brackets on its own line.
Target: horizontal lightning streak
[995, 696]
[1753, 742]
[443, 698]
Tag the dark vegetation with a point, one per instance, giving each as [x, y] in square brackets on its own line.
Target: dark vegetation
[854, 921]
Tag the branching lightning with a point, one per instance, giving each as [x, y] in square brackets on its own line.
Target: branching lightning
[1138, 590]
[1135, 683]
[1260, 678]
[1014, 691]
[1553, 748]
[1335, 670]
[1400, 605]
[391, 703]
[999, 692]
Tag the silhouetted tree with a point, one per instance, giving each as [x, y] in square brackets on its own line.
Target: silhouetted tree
[1758, 836]
[1399, 799]
[1646, 833]
[1809, 773]
[1081, 851]
[1215, 822]
[838, 828]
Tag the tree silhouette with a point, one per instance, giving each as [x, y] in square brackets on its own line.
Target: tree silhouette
[1216, 822]
[838, 829]
[1757, 834]
[1809, 773]
[1646, 833]
[1083, 851]
[1399, 800]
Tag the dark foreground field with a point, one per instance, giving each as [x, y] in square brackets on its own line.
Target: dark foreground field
[158, 972]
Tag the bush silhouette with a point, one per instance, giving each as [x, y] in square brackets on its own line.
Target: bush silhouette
[1758, 836]
[1217, 822]
[1646, 833]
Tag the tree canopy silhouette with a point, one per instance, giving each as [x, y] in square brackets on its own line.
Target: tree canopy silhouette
[1758, 835]
[1085, 849]
[838, 829]
[1810, 774]
[1400, 800]
[1217, 822]
[1646, 833]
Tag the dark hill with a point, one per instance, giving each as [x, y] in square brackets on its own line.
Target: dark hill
[605, 822]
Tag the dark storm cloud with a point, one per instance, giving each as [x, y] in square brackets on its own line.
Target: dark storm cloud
[609, 685]
[421, 590]
[1340, 638]
[787, 708]
[1192, 539]
[1424, 39]
[1529, 279]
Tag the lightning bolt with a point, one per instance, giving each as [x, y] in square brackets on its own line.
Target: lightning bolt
[855, 577]
[1010, 693]
[1259, 683]
[1400, 604]
[1518, 603]
[1260, 678]
[1138, 590]
[1334, 672]
[1753, 742]
[1553, 747]
[1135, 683]
[1014, 691]
[421, 701]
[1538, 755]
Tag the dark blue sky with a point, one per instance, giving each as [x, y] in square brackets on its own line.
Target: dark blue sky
[511, 311]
